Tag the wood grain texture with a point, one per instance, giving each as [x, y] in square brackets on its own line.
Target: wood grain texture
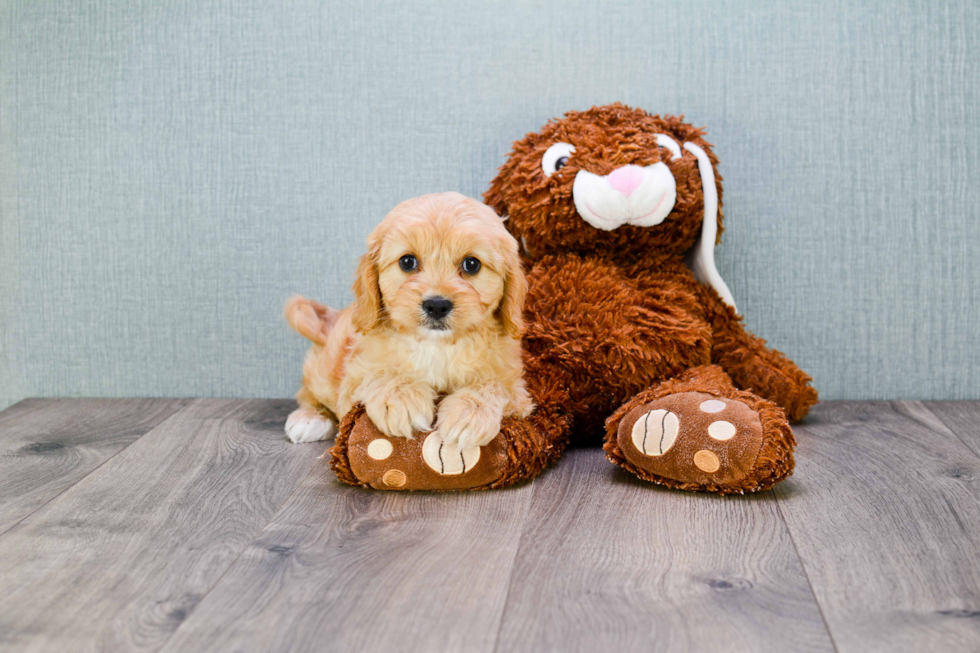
[348, 569]
[962, 418]
[211, 532]
[886, 518]
[611, 563]
[47, 445]
[119, 560]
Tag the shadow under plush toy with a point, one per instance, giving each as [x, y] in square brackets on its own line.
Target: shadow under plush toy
[630, 329]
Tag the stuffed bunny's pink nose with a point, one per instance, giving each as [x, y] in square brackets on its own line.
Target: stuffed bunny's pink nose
[626, 179]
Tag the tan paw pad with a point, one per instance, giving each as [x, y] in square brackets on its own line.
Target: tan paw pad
[394, 478]
[707, 461]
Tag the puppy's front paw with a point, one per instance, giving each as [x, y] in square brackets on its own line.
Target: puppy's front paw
[399, 410]
[307, 425]
[467, 419]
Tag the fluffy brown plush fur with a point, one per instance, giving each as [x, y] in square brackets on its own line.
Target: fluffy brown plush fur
[615, 319]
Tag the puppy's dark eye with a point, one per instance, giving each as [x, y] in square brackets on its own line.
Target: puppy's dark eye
[471, 265]
[560, 163]
[408, 263]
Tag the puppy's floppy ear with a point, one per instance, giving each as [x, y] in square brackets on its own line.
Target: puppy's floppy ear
[511, 309]
[310, 319]
[367, 293]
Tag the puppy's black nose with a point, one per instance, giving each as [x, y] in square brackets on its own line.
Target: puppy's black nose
[437, 307]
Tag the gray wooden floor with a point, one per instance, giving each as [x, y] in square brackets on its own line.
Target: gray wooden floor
[192, 525]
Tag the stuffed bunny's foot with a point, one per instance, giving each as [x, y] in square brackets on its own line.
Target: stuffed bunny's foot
[717, 439]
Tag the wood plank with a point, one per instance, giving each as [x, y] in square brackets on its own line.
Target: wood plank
[119, 560]
[349, 569]
[47, 445]
[611, 563]
[885, 513]
[960, 417]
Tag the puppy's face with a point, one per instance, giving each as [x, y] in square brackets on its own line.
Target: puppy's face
[440, 266]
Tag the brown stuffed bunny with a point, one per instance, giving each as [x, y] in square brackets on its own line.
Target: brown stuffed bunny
[624, 336]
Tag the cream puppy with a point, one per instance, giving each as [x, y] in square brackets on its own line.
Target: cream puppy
[436, 313]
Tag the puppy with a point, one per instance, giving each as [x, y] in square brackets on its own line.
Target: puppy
[436, 313]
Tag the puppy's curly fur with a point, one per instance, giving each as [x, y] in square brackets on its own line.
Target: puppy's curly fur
[387, 352]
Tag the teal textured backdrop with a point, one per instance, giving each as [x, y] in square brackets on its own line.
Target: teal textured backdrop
[170, 171]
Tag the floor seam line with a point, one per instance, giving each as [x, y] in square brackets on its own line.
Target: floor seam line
[953, 432]
[806, 574]
[93, 470]
[252, 538]
[513, 568]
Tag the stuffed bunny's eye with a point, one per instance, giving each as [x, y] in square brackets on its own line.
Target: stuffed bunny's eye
[556, 157]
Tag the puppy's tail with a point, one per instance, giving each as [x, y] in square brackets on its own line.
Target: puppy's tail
[310, 319]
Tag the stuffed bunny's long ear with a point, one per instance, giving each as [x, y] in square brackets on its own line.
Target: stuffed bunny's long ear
[701, 258]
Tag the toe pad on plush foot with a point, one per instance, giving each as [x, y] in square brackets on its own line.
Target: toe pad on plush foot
[692, 438]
